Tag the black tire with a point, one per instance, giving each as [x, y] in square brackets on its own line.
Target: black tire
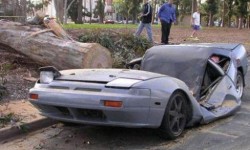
[175, 117]
[136, 67]
[240, 84]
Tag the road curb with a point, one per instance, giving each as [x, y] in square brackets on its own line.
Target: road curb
[14, 131]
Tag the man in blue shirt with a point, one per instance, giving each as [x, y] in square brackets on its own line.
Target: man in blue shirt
[167, 16]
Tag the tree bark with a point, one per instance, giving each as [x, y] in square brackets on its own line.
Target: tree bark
[211, 23]
[48, 49]
[154, 10]
[90, 10]
[66, 10]
[79, 12]
[59, 11]
[194, 6]
[223, 14]
[23, 6]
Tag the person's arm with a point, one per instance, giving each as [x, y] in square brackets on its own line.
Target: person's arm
[161, 9]
[148, 10]
[193, 18]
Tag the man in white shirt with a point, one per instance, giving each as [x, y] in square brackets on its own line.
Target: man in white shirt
[196, 17]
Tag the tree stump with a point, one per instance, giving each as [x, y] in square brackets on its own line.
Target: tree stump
[46, 48]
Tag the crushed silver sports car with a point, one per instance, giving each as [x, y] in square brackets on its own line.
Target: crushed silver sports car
[177, 86]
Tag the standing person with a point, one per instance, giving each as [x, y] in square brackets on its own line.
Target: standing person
[146, 19]
[196, 20]
[167, 16]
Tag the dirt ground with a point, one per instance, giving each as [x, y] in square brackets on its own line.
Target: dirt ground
[22, 67]
[206, 35]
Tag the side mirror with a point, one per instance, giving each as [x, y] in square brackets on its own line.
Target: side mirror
[134, 64]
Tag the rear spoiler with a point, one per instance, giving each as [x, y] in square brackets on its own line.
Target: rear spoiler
[51, 68]
[133, 62]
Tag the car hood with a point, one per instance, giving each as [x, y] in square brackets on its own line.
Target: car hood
[105, 75]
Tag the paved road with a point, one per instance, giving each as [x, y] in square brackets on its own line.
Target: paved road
[232, 133]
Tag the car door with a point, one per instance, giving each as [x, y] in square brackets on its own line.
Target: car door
[219, 92]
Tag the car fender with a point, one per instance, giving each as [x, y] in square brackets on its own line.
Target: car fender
[240, 56]
[161, 90]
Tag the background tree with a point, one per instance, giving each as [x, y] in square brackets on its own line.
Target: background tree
[73, 11]
[90, 11]
[135, 10]
[59, 5]
[228, 12]
[122, 7]
[30, 8]
[23, 10]
[185, 7]
[99, 10]
[79, 12]
[154, 4]
[177, 3]
[194, 6]
[67, 5]
[211, 8]
[224, 11]
[241, 11]
[128, 9]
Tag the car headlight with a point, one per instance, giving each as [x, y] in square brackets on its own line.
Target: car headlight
[122, 83]
[139, 92]
[46, 77]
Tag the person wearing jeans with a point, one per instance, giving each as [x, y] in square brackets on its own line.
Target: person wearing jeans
[146, 19]
[167, 16]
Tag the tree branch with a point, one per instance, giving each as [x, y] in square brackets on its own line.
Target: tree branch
[70, 5]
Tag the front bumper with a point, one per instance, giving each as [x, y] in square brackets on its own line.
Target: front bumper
[86, 107]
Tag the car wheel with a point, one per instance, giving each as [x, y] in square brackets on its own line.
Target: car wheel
[239, 84]
[175, 116]
[136, 67]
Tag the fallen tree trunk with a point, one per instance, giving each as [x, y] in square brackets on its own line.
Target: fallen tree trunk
[46, 48]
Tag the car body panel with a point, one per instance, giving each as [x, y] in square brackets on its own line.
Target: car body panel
[82, 95]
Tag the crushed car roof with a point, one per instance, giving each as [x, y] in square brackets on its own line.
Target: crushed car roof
[228, 46]
[186, 62]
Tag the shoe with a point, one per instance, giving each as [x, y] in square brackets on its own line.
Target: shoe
[156, 43]
[164, 43]
[196, 39]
